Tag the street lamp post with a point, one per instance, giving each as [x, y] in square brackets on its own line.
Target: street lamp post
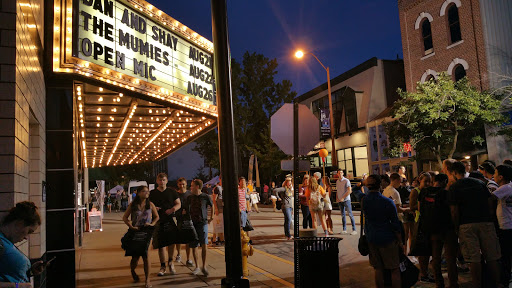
[299, 54]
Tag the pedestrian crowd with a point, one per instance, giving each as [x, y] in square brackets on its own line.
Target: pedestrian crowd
[170, 218]
[456, 218]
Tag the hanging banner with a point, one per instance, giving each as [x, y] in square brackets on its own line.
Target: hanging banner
[325, 123]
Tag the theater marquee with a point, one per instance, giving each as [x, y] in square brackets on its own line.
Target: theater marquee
[131, 44]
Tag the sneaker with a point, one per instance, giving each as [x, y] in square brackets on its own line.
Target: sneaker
[428, 279]
[178, 258]
[205, 272]
[196, 271]
[353, 232]
[414, 260]
[172, 270]
[344, 232]
[189, 263]
[161, 272]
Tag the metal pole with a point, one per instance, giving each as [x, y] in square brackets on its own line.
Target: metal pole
[227, 147]
[296, 181]
[334, 158]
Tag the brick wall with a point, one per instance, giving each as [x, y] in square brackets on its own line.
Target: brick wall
[471, 49]
[22, 117]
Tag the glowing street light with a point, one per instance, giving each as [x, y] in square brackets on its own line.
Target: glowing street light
[299, 54]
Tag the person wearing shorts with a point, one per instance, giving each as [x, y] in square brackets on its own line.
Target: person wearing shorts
[197, 207]
[468, 199]
[383, 232]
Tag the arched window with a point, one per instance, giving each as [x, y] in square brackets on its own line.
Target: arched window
[454, 24]
[459, 72]
[429, 75]
[426, 34]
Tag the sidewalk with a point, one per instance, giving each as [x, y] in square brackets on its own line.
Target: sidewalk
[101, 261]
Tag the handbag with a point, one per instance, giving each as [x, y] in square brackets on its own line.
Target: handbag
[420, 243]
[279, 204]
[187, 232]
[248, 226]
[136, 242]
[408, 272]
[362, 246]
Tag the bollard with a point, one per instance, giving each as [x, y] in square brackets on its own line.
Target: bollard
[247, 250]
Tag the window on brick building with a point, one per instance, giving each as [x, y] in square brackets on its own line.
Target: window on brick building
[430, 77]
[459, 72]
[454, 24]
[426, 33]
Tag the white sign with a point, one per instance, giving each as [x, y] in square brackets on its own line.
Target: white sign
[114, 35]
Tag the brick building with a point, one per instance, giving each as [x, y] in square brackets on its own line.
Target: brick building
[464, 38]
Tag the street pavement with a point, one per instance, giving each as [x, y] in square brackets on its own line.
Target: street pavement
[101, 261]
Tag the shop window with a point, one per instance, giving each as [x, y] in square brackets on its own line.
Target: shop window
[344, 98]
[426, 33]
[353, 160]
[454, 24]
[459, 72]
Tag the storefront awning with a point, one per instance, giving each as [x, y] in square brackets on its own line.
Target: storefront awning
[117, 129]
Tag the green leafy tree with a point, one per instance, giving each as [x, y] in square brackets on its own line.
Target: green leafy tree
[208, 147]
[440, 115]
[256, 96]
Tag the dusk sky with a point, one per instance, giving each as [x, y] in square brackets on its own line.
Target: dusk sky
[342, 34]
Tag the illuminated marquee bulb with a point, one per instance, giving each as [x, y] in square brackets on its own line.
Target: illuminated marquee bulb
[100, 99]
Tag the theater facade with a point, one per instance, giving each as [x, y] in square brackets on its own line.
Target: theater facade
[85, 84]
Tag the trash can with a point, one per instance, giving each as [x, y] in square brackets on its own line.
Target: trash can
[318, 262]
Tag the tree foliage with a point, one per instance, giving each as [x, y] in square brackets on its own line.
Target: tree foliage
[440, 115]
[256, 96]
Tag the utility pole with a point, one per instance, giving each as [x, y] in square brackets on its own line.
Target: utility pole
[227, 147]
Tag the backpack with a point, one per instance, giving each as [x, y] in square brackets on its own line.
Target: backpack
[315, 201]
[433, 211]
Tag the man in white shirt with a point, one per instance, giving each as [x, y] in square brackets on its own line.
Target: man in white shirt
[503, 175]
[343, 191]
[391, 192]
